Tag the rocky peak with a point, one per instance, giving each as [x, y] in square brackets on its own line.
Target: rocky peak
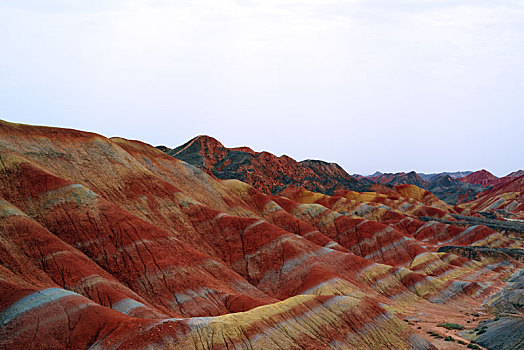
[481, 177]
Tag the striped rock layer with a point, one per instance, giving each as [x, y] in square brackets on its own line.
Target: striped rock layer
[507, 197]
[111, 243]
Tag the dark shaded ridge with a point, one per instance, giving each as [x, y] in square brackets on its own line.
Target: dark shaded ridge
[497, 225]
[453, 174]
[265, 171]
[453, 191]
[476, 253]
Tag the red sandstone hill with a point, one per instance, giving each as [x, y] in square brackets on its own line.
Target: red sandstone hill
[265, 171]
[112, 243]
[481, 177]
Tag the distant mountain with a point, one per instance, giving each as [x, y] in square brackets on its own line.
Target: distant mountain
[446, 186]
[426, 177]
[506, 197]
[452, 191]
[516, 173]
[375, 174]
[454, 175]
[411, 178]
[265, 171]
[451, 187]
[481, 177]
[359, 177]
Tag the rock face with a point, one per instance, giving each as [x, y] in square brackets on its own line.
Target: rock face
[112, 243]
[504, 333]
[509, 300]
[265, 171]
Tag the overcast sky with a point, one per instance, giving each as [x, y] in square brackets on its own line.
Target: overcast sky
[370, 84]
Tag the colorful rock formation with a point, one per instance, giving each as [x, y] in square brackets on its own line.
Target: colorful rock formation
[481, 177]
[507, 198]
[112, 243]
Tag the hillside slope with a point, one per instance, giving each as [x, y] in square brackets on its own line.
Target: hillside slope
[112, 243]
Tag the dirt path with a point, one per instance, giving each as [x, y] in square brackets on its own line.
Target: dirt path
[425, 317]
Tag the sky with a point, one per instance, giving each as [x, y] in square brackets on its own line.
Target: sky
[370, 84]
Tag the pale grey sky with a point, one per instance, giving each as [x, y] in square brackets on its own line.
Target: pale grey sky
[370, 84]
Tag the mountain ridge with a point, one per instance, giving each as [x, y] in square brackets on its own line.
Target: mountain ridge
[113, 243]
[268, 172]
[274, 174]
